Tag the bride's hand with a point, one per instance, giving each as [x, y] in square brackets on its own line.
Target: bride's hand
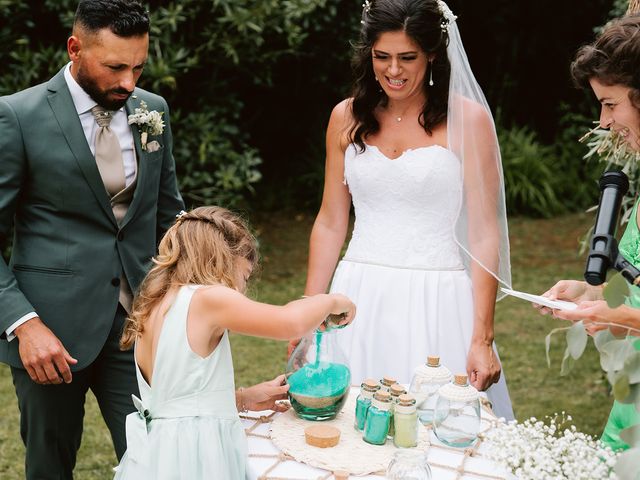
[264, 396]
[483, 367]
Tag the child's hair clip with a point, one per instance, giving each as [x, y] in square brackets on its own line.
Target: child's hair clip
[180, 216]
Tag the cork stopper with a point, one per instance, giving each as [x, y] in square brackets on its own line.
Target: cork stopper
[382, 396]
[396, 389]
[433, 361]
[322, 436]
[370, 384]
[406, 400]
[341, 475]
[388, 381]
[460, 380]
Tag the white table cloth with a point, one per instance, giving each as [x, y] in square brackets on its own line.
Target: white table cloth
[267, 462]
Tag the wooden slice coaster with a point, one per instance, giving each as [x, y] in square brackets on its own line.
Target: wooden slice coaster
[322, 436]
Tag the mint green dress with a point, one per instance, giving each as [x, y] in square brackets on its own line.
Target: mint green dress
[625, 415]
[186, 425]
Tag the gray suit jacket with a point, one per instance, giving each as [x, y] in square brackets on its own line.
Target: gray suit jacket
[68, 250]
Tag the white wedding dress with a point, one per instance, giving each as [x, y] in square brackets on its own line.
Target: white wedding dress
[403, 268]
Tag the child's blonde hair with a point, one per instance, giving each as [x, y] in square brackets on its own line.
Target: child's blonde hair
[201, 248]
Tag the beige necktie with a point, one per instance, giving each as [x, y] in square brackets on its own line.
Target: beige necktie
[108, 152]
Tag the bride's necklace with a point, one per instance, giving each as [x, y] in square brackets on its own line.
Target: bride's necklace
[398, 118]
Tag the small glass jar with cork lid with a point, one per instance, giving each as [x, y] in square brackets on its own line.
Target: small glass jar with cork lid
[395, 390]
[456, 420]
[386, 382]
[363, 402]
[427, 379]
[376, 426]
[405, 420]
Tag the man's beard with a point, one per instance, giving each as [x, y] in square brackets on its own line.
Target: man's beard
[101, 97]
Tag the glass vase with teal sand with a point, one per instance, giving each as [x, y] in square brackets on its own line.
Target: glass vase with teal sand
[318, 376]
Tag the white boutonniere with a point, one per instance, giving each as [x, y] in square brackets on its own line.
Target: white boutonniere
[149, 123]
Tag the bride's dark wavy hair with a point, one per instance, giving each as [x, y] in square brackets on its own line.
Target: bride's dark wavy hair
[422, 21]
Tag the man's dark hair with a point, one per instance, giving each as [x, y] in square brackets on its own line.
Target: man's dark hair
[125, 18]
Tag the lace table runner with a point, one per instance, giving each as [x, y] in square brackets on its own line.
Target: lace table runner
[282, 457]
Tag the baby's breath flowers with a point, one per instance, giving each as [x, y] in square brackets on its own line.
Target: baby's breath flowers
[149, 122]
[535, 450]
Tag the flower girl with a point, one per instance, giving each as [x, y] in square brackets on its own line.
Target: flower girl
[186, 424]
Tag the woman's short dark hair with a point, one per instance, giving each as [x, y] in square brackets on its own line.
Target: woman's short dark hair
[422, 21]
[125, 18]
[613, 59]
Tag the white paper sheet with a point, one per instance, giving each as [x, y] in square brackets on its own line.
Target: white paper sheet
[555, 304]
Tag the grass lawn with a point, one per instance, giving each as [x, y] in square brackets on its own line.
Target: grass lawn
[543, 251]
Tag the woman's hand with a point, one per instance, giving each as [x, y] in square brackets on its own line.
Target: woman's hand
[263, 396]
[596, 316]
[483, 367]
[344, 308]
[571, 291]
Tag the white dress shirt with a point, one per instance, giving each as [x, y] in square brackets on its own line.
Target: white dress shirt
[119, 125]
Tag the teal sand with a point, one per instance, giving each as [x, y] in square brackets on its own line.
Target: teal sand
[318, 390]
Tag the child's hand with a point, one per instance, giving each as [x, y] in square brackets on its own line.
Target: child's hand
[291, 346]
[263, 396]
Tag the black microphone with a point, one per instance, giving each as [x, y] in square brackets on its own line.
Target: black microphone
[604, 248]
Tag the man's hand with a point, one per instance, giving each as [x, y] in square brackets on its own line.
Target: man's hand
[42, 353]
[483, 366]
[263, 396]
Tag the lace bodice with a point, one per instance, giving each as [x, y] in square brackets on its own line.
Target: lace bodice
[405, 208]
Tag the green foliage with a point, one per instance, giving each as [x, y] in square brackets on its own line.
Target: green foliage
[620, 360]
[529, 174]
[205, 59]
[617, 291]
[579, 182]
[545, 180]
[220, 165]
[618, 9]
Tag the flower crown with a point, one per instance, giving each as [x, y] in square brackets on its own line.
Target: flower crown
[447, 16]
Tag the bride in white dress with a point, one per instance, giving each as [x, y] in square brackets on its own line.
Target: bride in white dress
[416, 152]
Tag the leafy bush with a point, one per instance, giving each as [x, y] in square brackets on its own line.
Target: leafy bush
[578, 178]
[205, 59]
[529, 175]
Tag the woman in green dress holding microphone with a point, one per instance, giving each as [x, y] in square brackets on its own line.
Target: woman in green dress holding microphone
[609, 67]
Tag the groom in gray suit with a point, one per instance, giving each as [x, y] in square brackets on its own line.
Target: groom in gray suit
[89, 197]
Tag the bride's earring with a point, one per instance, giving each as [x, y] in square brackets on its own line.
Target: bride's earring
[431, 73]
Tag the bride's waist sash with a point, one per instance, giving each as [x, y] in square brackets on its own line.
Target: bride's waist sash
[428, 268]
